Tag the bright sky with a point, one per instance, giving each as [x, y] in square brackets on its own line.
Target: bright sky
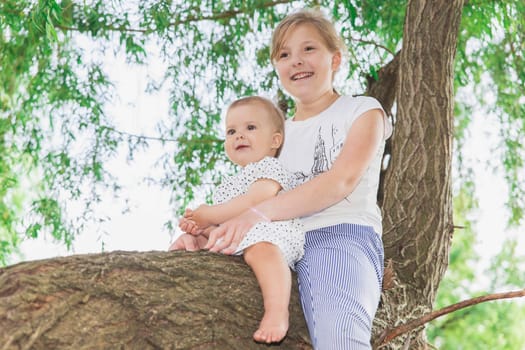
[140, 228]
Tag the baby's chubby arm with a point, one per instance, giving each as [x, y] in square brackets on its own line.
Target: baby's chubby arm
[208, 215]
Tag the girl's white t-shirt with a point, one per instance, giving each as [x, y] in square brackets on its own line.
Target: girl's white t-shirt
[311, 147]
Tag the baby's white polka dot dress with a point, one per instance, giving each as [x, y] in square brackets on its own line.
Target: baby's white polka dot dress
[288, 235]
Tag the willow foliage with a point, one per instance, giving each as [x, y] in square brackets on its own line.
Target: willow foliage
[56, 134]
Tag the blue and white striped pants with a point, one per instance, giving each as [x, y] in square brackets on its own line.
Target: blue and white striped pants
[340, 277]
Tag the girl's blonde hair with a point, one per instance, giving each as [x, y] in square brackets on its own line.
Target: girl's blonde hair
[316, 18]
[276, 115]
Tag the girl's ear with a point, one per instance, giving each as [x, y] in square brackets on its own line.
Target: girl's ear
[277, 140]
[336, 60]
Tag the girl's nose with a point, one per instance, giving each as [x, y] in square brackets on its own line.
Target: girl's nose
[240, 135]
[298, 60]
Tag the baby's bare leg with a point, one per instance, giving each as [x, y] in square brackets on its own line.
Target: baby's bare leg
[274, 277]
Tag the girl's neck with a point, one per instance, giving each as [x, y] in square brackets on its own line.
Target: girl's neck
[308, 109]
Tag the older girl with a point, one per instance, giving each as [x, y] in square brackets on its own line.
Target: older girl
[334, 146]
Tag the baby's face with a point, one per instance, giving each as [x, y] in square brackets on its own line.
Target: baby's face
[250, 134]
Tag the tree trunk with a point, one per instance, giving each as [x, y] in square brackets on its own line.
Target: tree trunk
[124, 300]
[417, 203]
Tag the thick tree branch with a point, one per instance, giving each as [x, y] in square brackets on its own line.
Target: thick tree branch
[390, 334]
[385, 87]
[137, 300]
[384, 90]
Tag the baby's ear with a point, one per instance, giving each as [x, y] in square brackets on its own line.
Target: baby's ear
[277, 140]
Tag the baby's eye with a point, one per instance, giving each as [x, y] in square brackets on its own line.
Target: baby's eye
[309, 48]
[283, 55]
[230, 131]
[251, 127]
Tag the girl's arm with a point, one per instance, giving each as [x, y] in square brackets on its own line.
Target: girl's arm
[362, 143]
[207, 215]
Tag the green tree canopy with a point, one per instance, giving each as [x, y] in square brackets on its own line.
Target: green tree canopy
[56, 88]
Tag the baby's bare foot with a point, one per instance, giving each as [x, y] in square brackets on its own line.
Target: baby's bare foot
[273, 327]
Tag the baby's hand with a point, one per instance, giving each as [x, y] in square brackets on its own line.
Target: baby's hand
[189, 226]
[200, 216]
[188, 213]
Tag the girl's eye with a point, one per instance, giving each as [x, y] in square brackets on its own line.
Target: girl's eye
[251, 127]
[283, 55]
[230, 131]
[309, 48]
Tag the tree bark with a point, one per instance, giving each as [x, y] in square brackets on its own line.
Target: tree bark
[130, 300]
[417, 203]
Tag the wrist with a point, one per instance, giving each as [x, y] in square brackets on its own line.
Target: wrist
[260, 214]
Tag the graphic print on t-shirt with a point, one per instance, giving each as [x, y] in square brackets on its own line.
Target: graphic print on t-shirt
[320, 160]
[337, 144]
[325, 153]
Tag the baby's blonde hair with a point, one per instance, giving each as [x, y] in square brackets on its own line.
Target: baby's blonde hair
[318, 20]
[276, 115]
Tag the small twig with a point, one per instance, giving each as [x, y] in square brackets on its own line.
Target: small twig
[211, 140]
[369, 42]
[143, 137]
[188, 19]
[387, 336]
[389, 275]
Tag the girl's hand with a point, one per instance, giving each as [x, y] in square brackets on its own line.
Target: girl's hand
[227, 237]
[189, 243]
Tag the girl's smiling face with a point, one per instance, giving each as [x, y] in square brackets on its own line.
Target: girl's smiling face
[305, 65]
[250, 134]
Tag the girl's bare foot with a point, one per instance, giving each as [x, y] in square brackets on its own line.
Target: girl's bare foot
[273, 327]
